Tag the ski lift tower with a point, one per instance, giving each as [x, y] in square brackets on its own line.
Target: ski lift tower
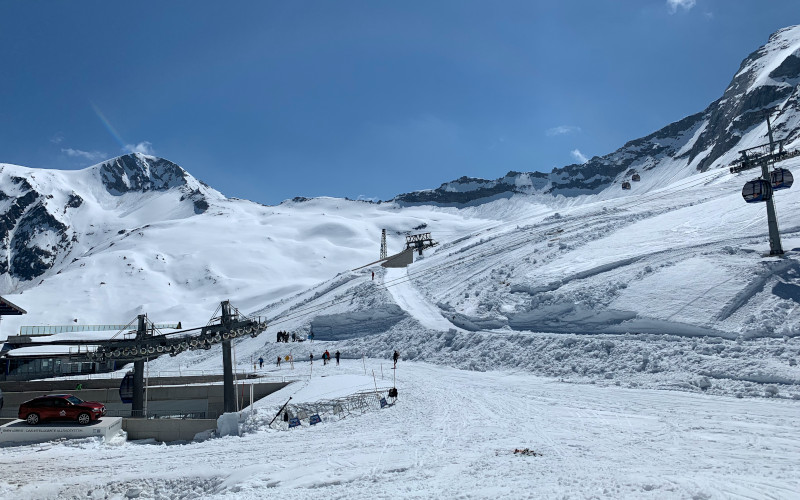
[420, 242]
[772, 179]
[383, 244]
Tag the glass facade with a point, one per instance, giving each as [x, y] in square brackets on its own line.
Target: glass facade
[32, 368]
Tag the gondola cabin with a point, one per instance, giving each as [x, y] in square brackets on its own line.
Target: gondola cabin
[626, 185]
[756, 191]
[636, 178]
[126, 388]
[780, 178]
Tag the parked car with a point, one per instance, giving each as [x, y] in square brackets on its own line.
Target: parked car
[60, 407]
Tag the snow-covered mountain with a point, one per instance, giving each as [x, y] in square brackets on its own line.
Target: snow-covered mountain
[50, 216]
[676, 261]
[766, 83]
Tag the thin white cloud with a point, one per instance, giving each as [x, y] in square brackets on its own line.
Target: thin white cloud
[562, 130]
[88, 155]
[579, 156]
[144, 147]
[58, 138]
[674, 5]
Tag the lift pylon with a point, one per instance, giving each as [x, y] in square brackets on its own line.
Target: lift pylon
[761, 189]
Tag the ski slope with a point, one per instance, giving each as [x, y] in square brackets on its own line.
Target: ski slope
[452, 434]
[409, 299]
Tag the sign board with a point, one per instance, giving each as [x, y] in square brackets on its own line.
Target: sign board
[18, 431]
[294, 422]
[314, 419]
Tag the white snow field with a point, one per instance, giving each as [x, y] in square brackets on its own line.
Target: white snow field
[668, 344]
[640, 343]
[451, 434]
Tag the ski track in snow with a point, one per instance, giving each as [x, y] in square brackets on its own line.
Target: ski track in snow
[411, 300]
[452, 434]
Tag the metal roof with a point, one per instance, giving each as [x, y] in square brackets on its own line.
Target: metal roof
[9, 309]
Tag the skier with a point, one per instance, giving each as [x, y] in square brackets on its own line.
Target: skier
[326, 357]
[311, 357]
[337, 358]
[294, 337]
[279, 361]
[373, 275]
[395, 357]
[311, 336]
[261, 362]
[278, 337]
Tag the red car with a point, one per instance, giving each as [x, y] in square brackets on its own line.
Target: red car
[60, 407]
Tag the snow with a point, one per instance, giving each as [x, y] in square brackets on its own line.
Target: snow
[408, 298]
[640, 342]
[452, 434]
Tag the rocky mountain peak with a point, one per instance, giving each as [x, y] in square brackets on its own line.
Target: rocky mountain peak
[141, 173]
[767, 83]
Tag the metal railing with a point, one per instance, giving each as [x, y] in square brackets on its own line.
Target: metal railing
[241, 376]
[175, 415]
[355, 404]
[53, 329]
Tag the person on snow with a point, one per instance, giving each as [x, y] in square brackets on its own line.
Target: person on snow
[261, 362]
[326, 356]
[279, 361]
[311, 357]
[337, 358]
[294, 337]
[278, 337]
[311, 336]
[395, 357]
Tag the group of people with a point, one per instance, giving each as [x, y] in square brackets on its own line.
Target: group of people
[326, 357]
[284, 337]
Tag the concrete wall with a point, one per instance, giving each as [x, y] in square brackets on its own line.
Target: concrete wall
[166, 429]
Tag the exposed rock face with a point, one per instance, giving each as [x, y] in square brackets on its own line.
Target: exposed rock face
[767, 83]
[37, 209]
[30, 235]
[139, 173]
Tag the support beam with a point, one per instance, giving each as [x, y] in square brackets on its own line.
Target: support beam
[229, 394]
[775, 247]
[137, 408]
[228, 391]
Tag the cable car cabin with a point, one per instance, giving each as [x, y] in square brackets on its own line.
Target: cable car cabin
[636, 178]
[756, 191]
[780, 178]
[126, 388]
[626, 185]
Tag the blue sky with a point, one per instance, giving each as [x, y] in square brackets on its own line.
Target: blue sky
[269, 100]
